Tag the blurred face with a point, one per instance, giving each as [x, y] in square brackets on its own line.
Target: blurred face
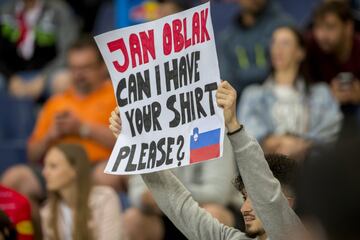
[57, 171]
[253, 225]
[330, 32]
[85, 69]
[285, 50]
[168, 8]
[252, 6]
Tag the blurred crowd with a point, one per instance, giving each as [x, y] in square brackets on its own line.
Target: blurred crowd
[298, 88]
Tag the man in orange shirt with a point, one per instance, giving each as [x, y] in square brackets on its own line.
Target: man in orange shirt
[79, 115]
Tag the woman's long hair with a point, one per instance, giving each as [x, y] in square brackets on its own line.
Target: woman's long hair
[304, 67]
[77, 157]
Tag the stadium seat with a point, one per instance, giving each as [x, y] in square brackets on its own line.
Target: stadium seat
[16, 123]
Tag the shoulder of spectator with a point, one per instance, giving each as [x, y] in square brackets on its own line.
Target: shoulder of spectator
[227, 34]
[287, 19]
[102, 193]
[253, 92]
[321, 91]
[101, 196]
[54, 100]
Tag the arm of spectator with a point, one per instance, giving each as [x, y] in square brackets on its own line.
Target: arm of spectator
[176, 202]
[100, 134]
[70, 124]
[44, 133]
[216, 175]
[342, 95]
[27, 88]
[17, 86]
[262, 187]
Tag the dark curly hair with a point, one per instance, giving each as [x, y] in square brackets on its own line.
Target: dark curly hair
[283, 168]
[340, 8]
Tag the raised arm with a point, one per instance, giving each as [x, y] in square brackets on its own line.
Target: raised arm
[279, 220]
[177, 203]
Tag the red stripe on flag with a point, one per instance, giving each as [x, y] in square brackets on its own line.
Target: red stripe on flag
[204, 153]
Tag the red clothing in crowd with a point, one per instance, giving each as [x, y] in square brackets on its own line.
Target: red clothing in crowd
[17, 208]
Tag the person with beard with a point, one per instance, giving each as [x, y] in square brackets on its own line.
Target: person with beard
[284, 170]
[334, 53]
[264, 194]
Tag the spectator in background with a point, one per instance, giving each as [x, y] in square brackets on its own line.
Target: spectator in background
[62, 79]
[35, 35]
[18, 209]
[75, 208]
[243, 47]
[80, 115]
[287, 114]
[168, 7]
[334, 51]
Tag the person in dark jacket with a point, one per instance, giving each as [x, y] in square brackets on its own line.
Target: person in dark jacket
[243, 46]
[34, 37]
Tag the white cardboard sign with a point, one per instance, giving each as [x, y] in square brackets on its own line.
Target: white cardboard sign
[165, 74]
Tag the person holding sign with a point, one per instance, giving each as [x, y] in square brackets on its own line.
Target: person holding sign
[208, 185]
[274, 217]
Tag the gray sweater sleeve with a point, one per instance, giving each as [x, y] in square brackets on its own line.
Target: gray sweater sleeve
[215, 186]
[264, 190]
[176, 202]
[271, 206]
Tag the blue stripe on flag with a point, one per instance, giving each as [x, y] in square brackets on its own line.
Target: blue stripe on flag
[204, 139]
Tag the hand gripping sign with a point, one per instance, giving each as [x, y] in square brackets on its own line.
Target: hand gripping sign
[165, 74]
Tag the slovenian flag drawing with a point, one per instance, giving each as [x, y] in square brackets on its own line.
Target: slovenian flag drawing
[204, 146]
